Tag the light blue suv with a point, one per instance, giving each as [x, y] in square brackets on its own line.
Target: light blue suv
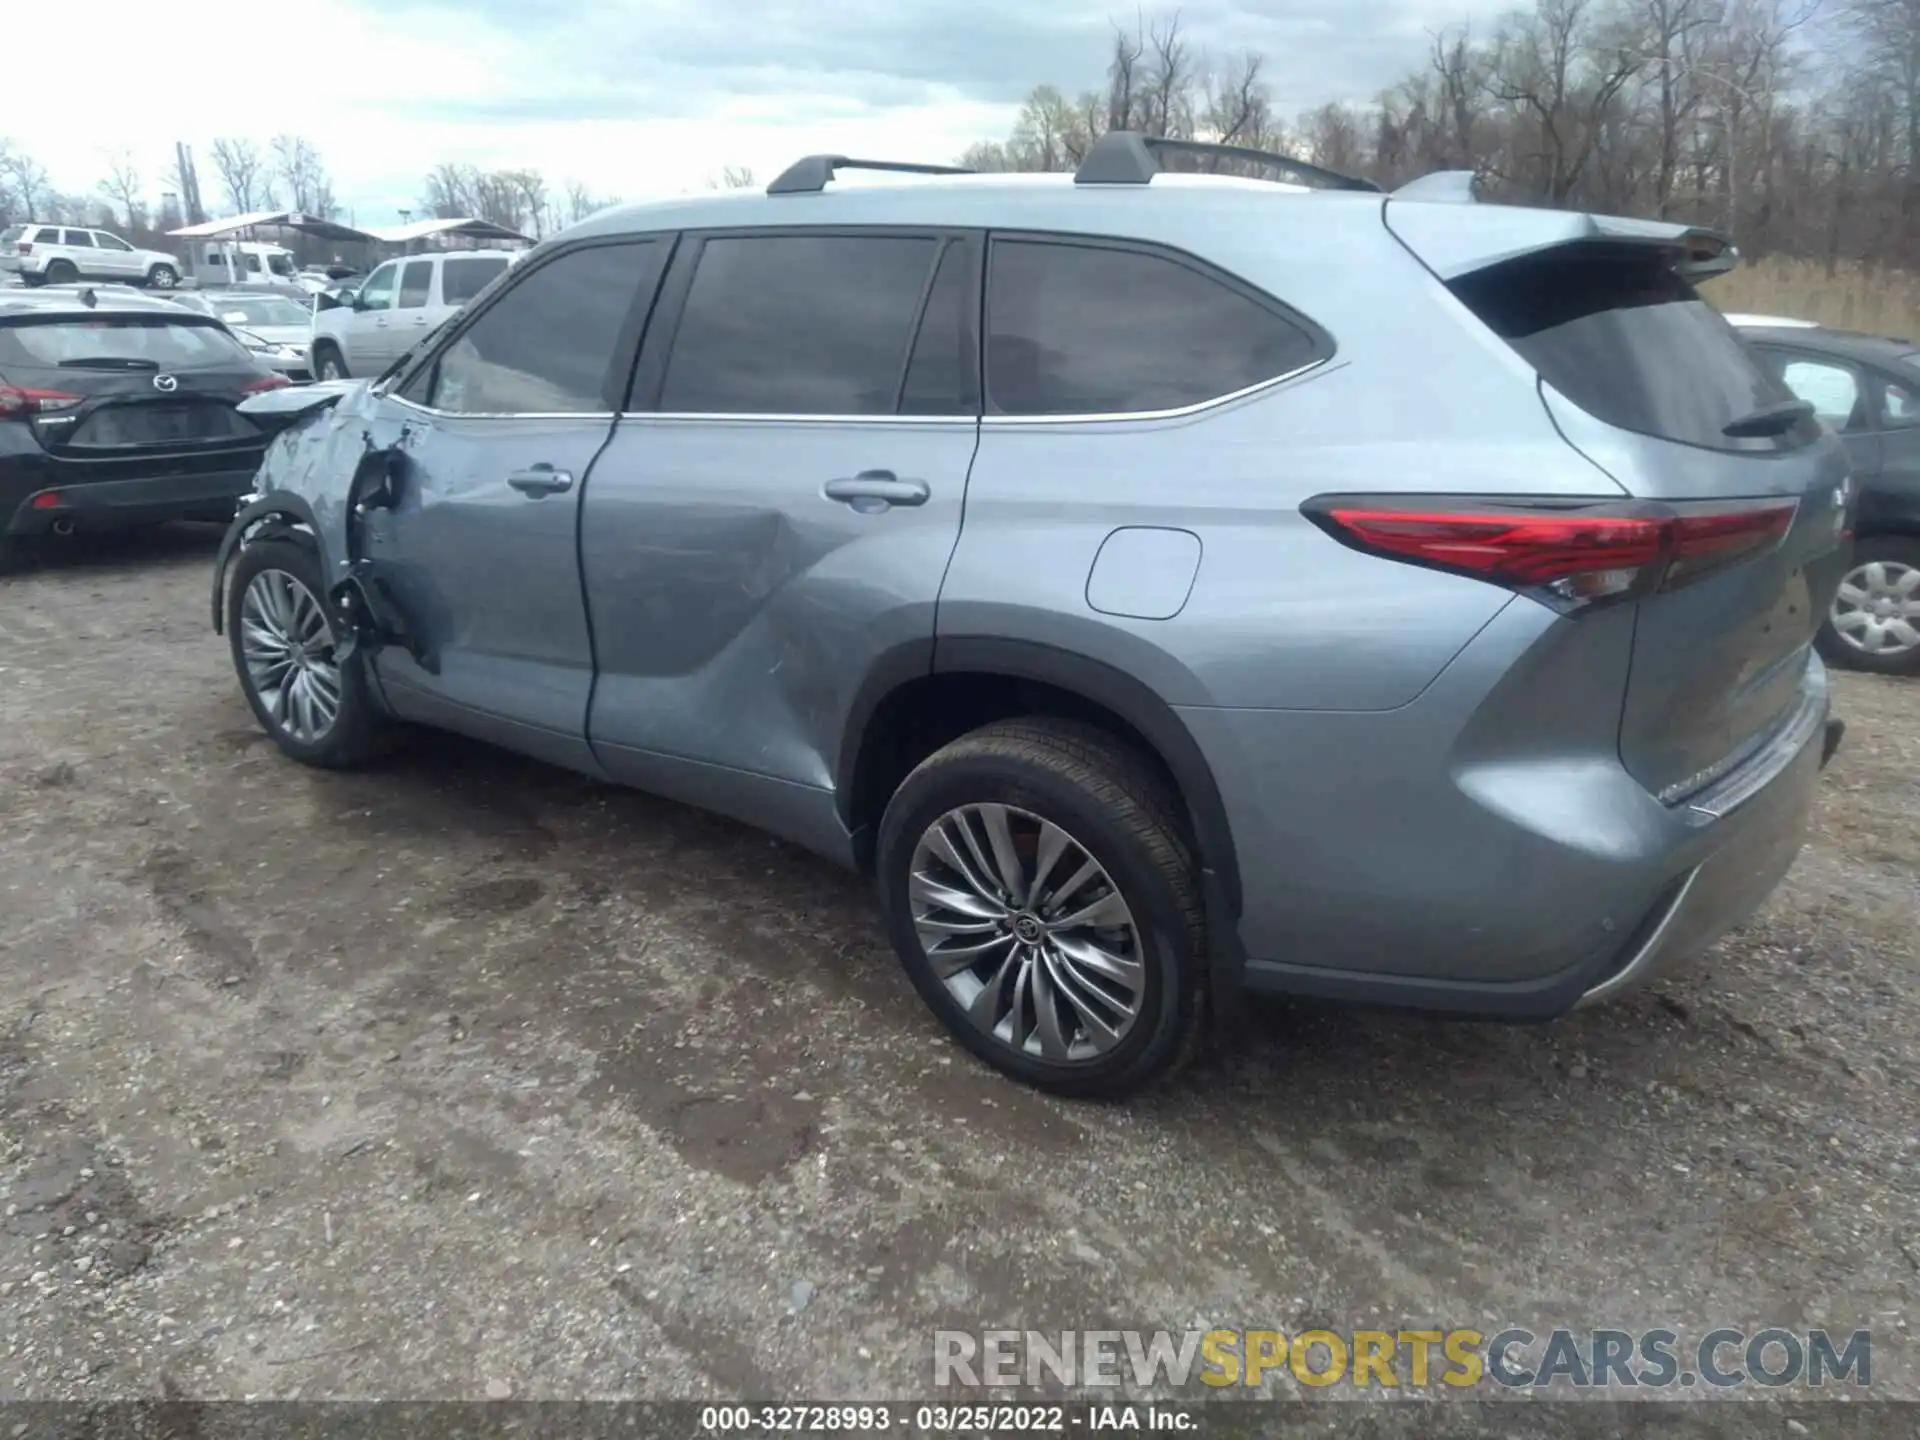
[1166, 584]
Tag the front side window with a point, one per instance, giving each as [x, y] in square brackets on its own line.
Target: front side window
[416, 284]
[1083, 329]
[798, 325]
[548, 344]
[377, 293]
[110, 242]
[1899, 404]
[1831, 388]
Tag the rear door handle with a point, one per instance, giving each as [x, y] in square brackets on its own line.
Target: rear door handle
[538, 480]
[873, 490]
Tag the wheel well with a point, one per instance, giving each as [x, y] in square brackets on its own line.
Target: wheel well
[920, 716]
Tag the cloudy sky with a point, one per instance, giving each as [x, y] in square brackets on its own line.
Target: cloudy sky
[632, 97]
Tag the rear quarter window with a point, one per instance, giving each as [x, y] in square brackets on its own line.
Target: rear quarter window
[111, 340]
[1626, 339]
[1085, 328]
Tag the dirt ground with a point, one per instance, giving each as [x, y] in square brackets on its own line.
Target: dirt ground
[467, 1077]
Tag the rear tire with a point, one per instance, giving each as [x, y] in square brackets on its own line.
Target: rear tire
[163, 277]
[1126, 987]
[327, 363]
[1877, 608]
[275, 607]
[61, 272]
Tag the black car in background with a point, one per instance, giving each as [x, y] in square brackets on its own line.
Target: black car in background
[1867, 387]
[118, 411]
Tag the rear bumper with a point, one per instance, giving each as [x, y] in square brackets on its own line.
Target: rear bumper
[113, 504]
[1410, 858]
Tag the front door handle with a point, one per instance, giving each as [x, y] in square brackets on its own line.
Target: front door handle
[538, 480]
[873, 490]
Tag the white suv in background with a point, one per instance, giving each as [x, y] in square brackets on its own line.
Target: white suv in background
[400, 302]
[58, 254]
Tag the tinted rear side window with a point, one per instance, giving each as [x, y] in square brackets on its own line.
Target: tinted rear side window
[416, 282]
[943, 377]
[1630, 342]
[117, 342]
[1077, 329]
[798, 325]
[549, 344]
[462, 279]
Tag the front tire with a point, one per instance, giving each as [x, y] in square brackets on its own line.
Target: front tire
[327, 364]
[163, 277]
[1874, 624]
[1038, 887]
[316, 708]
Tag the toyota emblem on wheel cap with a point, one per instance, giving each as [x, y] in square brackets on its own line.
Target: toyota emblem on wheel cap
[165, 382]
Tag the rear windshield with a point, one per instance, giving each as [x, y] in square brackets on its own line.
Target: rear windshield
[132, 341]
[1622, 336]
[463, 279]
[12, 233]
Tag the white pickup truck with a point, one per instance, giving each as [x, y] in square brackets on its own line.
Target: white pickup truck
[400, 302]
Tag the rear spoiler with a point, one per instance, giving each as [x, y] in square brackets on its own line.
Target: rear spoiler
[1437, 218]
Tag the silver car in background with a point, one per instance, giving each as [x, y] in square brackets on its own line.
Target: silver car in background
[1165, 585]
[277, 328]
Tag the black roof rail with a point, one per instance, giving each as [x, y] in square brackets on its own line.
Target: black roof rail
[1126, 157]
[812, 172]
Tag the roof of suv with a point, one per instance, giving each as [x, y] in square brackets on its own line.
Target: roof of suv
[1044, 201]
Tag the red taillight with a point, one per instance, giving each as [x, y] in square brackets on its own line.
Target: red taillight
[26, 247]
[1572, 554]
[17, 401]
[265, 382]
[45, 500]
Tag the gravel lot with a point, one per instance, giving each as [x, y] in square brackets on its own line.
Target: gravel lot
[469, 1078]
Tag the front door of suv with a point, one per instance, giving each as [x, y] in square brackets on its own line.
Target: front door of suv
[367, 333]
[503, 424]
[770, 524]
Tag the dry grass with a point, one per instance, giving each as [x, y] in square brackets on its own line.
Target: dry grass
[1855, 297]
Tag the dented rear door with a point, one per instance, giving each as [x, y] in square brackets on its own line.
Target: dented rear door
[777, 508]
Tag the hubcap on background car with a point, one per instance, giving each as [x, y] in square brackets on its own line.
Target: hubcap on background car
[288, 648]
[1027, 931]
[1877, 611]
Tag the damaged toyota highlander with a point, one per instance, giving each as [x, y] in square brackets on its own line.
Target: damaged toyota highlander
[1165, 585]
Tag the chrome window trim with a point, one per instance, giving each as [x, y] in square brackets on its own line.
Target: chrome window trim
[1178, 412]
[418, 408]
[1070, 418]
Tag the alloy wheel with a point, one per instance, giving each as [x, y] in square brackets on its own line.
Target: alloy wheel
[1028, 932]
[1877, 610]
[287, 645]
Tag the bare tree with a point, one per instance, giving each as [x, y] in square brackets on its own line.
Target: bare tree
[298, 167]
[244, 175]
[735, 177]
[1123, 79]
[27, 183]
[1169, 80]
[122, 188]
